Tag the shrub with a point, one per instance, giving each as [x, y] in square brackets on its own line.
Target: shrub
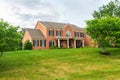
[53, 47]
[28, 45]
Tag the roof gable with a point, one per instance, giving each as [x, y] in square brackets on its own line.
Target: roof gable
[35, 34]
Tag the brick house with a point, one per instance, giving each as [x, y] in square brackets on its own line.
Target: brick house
[46, 34]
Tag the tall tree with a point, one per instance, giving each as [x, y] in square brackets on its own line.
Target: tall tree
[105, 27]
[9, 37]
[111, 9]
[106, 31]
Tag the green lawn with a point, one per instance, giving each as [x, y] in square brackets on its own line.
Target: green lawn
[60, 64]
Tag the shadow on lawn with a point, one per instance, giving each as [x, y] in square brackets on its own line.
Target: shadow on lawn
[114, 53]
[111, 51]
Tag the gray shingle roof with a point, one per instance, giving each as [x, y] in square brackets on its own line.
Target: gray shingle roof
[36, 34]
[58, 25]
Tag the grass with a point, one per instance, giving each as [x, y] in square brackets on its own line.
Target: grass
[60, 64]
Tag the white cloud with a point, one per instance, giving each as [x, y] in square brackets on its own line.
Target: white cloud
[77, 11]
[27, 12]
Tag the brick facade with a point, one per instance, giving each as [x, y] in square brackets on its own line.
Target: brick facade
[67, 38]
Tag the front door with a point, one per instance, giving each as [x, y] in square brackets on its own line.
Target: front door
[78, 43]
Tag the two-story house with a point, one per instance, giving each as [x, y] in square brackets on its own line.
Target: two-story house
[46, 34]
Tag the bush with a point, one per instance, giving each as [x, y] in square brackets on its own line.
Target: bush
[118, 43]
[28, 45]
[53, 47]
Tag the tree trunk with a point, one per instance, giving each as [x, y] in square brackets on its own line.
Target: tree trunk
[104, 50]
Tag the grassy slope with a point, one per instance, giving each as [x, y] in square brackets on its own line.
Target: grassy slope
[60, 64]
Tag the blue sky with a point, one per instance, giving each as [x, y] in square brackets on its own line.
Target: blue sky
[26, 13]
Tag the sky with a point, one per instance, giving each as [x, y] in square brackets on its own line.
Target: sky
[26, 13]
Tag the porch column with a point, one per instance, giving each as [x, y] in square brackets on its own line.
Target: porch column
[67, 43]
[74, 43]
[83, 43]
[59, 43]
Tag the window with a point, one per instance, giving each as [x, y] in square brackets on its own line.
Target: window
[51, 43]
[51, 33]
[76, 34]
[35, 42]
[42, 43]
[81, 34]
[68, 33]
[58, 33]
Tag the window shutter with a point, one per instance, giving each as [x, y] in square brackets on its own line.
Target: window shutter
[49, 44]
[33, 42]
[80, 34]
[49, 32]
[52, 33]
[56, 33]
[37, 42]
[60, 33]
[77, 34]
[52, 43]
[83, 35]
[40, 42]
[44, 43]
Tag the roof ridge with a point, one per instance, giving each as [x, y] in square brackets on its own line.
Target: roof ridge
[53, 22]
[58, 25]
[32, 29]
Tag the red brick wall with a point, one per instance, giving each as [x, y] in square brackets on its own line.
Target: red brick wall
[42, 28]
[68, 28]
[26, 37]
[89, 42]
[63, 33]
[45, 31]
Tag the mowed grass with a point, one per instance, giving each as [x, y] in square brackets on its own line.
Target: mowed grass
[60, 64]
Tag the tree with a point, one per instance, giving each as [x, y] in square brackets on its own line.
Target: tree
[21, 32]
[106, 31]
[27, 45]
[9, 37]
[111, 9]
[105, 27]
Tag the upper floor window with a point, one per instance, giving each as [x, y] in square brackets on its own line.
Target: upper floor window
[68, 33]
[35, 42]
[42, 43]
[81, 34]
[58, 33]
[51, 33]
[76, 34]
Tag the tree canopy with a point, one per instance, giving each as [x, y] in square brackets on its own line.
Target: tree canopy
[104, 30]
[10, 38]
[111, 9]
[105, 27]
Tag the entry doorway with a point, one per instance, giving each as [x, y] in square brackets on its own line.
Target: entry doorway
[78, 43]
